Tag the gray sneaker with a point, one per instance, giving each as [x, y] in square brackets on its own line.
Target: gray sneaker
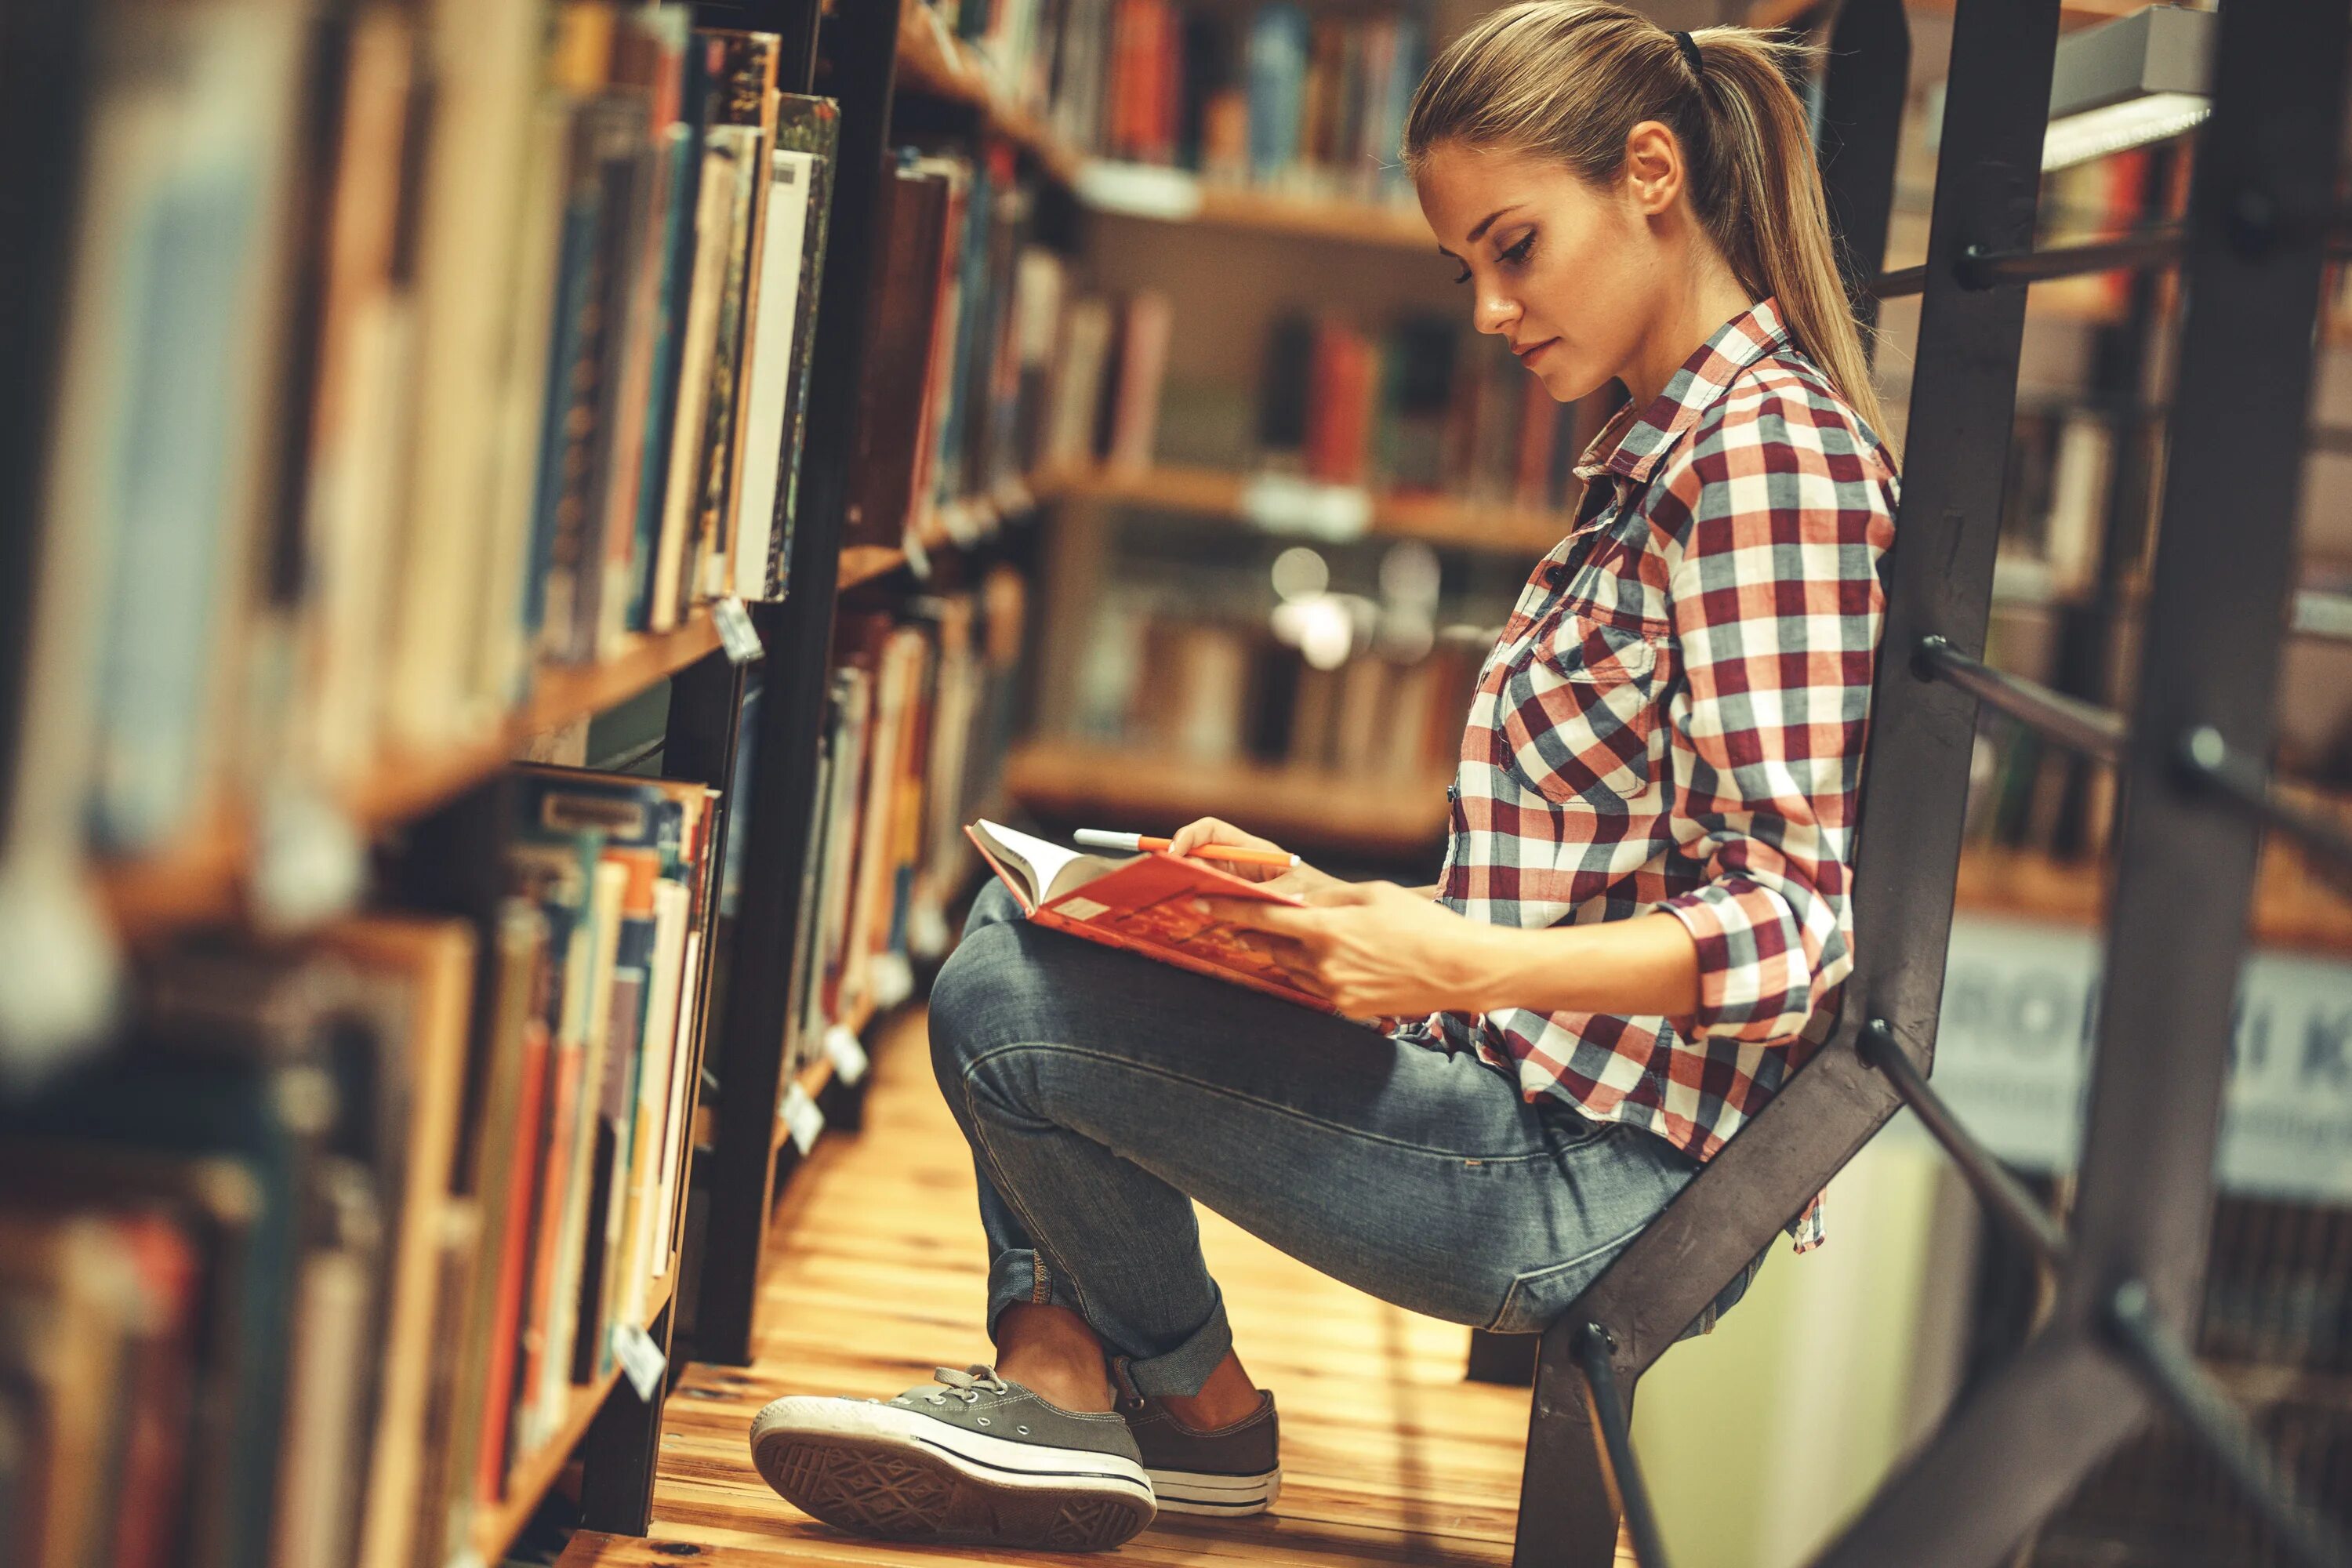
[1231, 1471]
[973, 1460]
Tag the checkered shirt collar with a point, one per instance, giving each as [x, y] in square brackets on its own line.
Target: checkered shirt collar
[1633, 442]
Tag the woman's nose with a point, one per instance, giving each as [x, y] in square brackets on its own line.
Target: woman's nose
[1493, 313]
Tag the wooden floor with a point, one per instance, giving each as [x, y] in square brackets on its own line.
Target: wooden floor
[875, 1276]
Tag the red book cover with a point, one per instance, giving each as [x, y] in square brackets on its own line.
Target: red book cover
[1141, 904]
[505, 1326]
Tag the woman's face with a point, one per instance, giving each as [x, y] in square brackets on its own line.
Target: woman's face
[1563, 272]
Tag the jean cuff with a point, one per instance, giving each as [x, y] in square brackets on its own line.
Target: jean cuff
[1182, 1370]
[1019, 1277]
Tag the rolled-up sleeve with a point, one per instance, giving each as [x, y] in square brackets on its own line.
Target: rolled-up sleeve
[1776, 603]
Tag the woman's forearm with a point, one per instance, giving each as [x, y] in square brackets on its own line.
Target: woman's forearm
[1645, 965]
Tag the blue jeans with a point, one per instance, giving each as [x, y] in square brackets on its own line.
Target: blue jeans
[1102, 1093]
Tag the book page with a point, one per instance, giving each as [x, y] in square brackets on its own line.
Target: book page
[1049, 869]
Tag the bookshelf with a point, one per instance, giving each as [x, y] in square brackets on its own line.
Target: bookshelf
[201, 881]
[559, 395]
[494, 1529]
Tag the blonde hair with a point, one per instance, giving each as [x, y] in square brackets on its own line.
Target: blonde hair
[1556, 78]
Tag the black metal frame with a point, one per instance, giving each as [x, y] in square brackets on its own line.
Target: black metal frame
[2112, 1351]
[45, 77]
[797, 635]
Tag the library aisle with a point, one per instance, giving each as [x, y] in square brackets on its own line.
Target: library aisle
[874, 1275]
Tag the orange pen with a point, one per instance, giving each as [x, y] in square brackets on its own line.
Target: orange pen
[1135, 842]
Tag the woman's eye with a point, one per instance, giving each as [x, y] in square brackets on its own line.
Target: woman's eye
[1517, 254]
[1464, 277]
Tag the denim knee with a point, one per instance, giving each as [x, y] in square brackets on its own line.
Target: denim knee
[992, 905]
[976, 1000]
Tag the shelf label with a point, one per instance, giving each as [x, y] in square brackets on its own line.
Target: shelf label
[310, 861]
[1287, 504]
[848, 1057]
[642, 1362]
[736, 633]
[801, 1117]
[1138, 190]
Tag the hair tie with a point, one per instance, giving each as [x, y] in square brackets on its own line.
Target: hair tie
[1691, 56]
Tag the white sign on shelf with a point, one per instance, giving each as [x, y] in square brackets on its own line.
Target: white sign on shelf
[642, 1362]
[2013, 1044]
[801, 1117]
[1138, 190]
[848, 1056]
[737, 635]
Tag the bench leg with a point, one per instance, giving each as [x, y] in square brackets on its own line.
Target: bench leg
[1568, 1510]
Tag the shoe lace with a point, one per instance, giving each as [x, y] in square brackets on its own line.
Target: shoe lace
[967, 1384]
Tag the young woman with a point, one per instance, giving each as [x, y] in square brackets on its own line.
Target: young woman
[1641, 923]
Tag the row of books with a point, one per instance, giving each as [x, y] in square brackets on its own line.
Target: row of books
[329, 1247]
[1416, 410]
[406, 348]
[965, 319]
[1274, 98]
[1210, 691]
[920, 718]
[1420, 408]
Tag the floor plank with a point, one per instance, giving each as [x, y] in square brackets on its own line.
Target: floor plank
[875, 1276]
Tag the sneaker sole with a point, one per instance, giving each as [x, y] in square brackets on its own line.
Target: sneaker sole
[1191, 1491]
[880, 1471]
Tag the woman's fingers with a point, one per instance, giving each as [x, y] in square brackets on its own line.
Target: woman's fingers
[1250, 914]
[1212, 830]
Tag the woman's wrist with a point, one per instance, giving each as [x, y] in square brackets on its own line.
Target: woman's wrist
[1509, 967]
[1639, 966]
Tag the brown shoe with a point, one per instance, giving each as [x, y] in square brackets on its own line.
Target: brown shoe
[1234, 1469]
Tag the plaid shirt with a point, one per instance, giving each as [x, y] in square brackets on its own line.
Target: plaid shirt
[1673, 720]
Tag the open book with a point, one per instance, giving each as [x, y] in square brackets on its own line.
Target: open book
[1140, 902]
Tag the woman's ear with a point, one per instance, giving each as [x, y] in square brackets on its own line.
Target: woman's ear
[1654, 167]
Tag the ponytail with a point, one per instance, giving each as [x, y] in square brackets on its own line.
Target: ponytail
[1572, 80]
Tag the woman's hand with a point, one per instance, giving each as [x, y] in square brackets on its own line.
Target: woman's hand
[1373, 948]
[1210, 830]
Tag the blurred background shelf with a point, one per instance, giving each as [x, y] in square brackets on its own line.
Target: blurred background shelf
[1444, 521]
[934, 62]
[202, 878]
[1113, 787]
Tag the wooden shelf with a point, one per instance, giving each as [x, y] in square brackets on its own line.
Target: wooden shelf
[1446, 520]
[2287, 912]
[1117, 788]
[1157, 194]
[935, 62]
[202, 878]
[495, 1528]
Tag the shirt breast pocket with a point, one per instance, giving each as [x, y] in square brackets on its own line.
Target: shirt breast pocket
[1577, 711]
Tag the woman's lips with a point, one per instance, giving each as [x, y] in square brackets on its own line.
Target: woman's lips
[1527, 356]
